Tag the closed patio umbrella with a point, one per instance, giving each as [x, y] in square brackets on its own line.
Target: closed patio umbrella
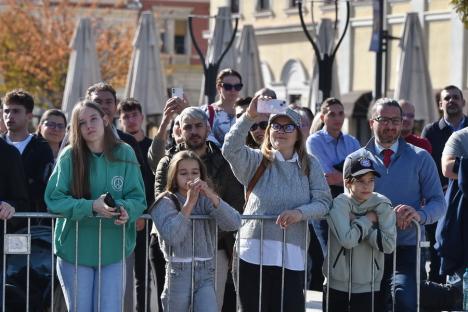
[413, 79]
[83, 66]
[146, 81]
[248, 62]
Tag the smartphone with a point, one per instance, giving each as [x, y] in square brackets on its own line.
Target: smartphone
[109, 201]
[271, 106]
[177, 92]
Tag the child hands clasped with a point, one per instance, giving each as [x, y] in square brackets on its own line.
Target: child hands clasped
[362, 230]
[188, 193]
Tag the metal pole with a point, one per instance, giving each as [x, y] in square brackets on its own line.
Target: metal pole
[379, 54]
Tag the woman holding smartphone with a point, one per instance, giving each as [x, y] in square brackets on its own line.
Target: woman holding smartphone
[94, 163]
[293, 189]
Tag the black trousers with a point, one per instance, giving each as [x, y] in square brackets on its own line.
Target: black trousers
[360, 302]
[249, 285]
[142, 269]
[158, 266]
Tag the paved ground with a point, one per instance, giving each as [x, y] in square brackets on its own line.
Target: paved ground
[314, 301]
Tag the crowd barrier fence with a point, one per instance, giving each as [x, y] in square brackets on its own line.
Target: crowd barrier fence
[21, 244]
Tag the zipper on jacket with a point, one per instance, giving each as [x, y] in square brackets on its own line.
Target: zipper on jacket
[376, 264]
[338, 256]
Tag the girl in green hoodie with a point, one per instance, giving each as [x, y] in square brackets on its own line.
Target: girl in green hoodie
[362, 230]
[91, 250]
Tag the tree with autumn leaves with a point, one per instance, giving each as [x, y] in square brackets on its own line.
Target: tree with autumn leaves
[34, 47]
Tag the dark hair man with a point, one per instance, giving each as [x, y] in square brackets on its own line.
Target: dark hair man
[131, 119]
[451, 104]
[35, 152]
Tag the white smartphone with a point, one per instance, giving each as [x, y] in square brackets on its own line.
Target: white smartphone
[177, 92]
[271, 106]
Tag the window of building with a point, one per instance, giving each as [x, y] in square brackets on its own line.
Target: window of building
[235, 6]
[263, 5]
[179, 37]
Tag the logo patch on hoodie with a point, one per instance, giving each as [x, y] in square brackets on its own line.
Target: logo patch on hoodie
[117, 183]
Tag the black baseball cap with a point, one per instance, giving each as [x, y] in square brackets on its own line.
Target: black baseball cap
[359, 166]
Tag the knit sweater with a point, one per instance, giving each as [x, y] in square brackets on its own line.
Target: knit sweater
[410, 179]
[367, 242]
[175, 230]
[282, 187]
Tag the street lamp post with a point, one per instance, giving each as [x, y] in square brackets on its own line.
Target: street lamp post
[210, 70]
[325, 63]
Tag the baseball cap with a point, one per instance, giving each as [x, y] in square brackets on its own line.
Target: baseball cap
[359, 166]
[295, 117]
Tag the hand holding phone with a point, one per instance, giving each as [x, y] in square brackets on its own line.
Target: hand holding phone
[177, 92]
[271, 106]
[109, 201]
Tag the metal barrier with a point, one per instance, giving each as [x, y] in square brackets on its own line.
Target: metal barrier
[419, 244]
[21, 244]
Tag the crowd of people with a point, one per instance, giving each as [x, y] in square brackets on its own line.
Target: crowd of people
[327, 207]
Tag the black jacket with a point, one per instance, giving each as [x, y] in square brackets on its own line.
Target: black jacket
[438, 133]
[13, 180]
[38, 161]
[219, 172]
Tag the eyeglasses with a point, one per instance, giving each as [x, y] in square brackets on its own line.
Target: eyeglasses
[386, 121]
[288, 128]
[262, 124]
[228, 86]
[54, 125]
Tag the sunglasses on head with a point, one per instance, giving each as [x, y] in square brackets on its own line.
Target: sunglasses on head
[229, 87]
[262, 124]
[289, 128]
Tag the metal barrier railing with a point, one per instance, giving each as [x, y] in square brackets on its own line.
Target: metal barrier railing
[21, 244]
[419, 244]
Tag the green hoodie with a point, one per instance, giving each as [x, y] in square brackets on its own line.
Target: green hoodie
[121, 178]
[361, 239]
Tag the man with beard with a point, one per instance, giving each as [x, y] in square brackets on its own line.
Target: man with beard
[451, 104]
[194, 130]
[408, 178]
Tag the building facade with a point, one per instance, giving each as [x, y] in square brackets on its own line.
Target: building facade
[288, 58]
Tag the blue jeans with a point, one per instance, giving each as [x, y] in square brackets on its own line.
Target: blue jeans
[405, 279]
[176, 295]
[111, 292]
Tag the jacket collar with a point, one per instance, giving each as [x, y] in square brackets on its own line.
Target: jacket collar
[443, 124]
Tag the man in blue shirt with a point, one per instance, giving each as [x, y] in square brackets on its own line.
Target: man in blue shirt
[330, 145]
[409, 179]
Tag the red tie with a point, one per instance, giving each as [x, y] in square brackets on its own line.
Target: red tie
[387, 154]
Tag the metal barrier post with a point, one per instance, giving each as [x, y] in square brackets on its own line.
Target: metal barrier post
[283, 252]
[124, 267]
[52, 288]
[306, 223]
[146, 265]
[75, 279]
[28, 264]
[418, 262]
[262, 224]
[192, 277]
[328, 270]
[238, 268]
[99, 265]
[4, 268]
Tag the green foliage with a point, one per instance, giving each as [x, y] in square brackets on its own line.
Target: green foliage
[461, 7]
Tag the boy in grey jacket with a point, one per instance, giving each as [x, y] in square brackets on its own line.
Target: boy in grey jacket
[362, 226]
